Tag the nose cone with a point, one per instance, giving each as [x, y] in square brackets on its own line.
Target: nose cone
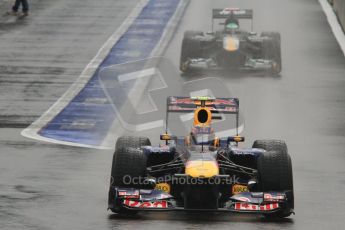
[202, 168]
[231, 43]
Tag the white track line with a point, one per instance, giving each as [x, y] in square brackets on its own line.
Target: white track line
[109, 141]
[83, 79]
[334, 23]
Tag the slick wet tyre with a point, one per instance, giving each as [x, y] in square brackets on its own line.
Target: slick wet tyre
[272, 50]
[275, 171]
[128, 168]
[190, 49]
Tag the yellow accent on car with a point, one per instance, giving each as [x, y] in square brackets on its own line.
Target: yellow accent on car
[231, 44]
[165, 137]
[238, 138]
[238, 188]
[202, 117]
[163, 187]
[202, 168]
[216, 142]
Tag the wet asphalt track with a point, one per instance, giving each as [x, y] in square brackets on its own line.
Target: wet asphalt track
[44, 186]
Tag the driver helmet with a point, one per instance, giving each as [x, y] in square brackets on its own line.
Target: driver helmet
[232, 24]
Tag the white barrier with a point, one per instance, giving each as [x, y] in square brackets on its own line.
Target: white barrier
[339, 8]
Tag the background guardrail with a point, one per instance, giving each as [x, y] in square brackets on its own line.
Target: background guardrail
[339, 8]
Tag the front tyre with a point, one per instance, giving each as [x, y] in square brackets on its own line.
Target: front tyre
[275, 172]
[190, 49]
[129, 162]
[272, 50]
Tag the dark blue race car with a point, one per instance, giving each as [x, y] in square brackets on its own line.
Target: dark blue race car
[231, 47]
[200, 171]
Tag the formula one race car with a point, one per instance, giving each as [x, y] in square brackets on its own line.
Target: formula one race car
[200, 171]
[231, 47]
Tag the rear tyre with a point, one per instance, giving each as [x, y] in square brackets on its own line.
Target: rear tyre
[272, 50]
[275, 172]
[190, 49]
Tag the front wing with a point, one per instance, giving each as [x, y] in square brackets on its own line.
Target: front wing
[250, 64]
[245, 202]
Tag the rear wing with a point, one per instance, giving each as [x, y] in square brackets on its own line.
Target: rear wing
[215, 105]
[232, 12]
[190, 104]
